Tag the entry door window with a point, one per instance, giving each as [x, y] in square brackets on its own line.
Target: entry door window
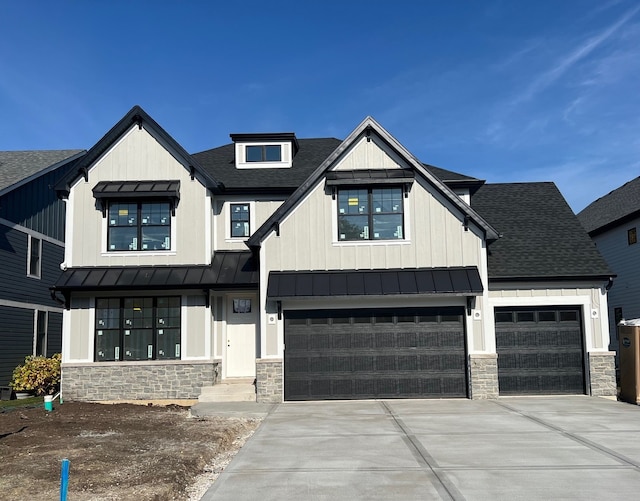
[242, 305]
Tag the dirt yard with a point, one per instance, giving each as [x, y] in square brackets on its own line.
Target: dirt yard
[116, 452]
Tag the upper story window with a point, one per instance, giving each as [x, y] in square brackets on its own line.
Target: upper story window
[264, 153]
[632, 236]
[370, 213]
[34, 266]
[265, 150]
[240, 220]
[139, 226]
[138, 213]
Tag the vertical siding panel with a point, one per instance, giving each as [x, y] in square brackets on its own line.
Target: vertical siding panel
[138, 156]
[16, 335]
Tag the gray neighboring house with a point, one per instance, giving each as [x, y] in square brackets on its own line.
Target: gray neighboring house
[613, 221]
[32, 223]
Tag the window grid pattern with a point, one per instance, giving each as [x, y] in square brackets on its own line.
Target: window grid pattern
[137, 328]
[264, 153]
[370, 214]
[139, 226]
[240, 220]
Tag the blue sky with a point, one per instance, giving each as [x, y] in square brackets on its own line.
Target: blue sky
[503, 90]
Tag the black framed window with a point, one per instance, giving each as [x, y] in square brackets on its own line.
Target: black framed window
[632, 236]
[35, 253]
[139, 226]
[264, 153]
[240, 220]
[137, 328]
[41, 333]
[370, 213]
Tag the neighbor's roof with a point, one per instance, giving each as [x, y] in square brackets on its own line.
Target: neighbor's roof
[220, 164]
[540, 235]
[613, 208]
[16, 166]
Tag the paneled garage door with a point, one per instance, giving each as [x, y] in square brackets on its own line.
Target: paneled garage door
[540, 351]
[359, 354]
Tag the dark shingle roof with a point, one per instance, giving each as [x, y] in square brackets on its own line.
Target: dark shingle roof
[220, 164]
[612, 208]
[16, 166]
[448, 175]
[541, 237]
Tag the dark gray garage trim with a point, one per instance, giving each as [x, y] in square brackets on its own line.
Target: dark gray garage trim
[540, 350]
[296, 284]
[381, 353]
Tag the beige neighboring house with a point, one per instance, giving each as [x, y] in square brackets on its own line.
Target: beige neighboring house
[317, 269]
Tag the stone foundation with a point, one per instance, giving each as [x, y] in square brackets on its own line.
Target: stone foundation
[602, 374]
[180, 379]
[269, 380]
[483, 376]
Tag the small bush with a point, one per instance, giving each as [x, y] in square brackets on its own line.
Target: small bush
[38, 374]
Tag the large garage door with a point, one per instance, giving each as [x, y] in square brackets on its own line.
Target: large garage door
[539, 351]
[358, 354]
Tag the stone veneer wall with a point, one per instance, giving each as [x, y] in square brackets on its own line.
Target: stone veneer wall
[483, 376]
[181, 379]
[269, 380]
[602, 374]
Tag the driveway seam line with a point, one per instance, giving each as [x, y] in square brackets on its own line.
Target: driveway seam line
[443, 482]
[576, 438]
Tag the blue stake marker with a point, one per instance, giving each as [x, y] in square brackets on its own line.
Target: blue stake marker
[64, 480]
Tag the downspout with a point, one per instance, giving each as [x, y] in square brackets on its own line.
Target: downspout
[609, 284]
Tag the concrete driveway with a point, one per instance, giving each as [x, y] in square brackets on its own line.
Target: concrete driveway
[573, 447]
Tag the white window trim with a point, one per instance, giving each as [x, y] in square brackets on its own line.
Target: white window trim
[350, 243]
[227, 219]
[170, 252]
[38, 275]
[286, 158]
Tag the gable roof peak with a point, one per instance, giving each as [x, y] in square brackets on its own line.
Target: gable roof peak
[135, 115]
[366, 125]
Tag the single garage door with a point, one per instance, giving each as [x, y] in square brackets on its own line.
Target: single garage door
[540, 351]
[384, 353]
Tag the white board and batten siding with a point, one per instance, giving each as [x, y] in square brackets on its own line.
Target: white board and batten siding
[260, 210]
[434, 236]
[137, 156]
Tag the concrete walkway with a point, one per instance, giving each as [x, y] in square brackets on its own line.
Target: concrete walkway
[537, 448]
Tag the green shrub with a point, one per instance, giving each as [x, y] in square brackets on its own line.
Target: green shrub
[38, 374]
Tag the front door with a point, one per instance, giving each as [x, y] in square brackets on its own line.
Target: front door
[242, 315]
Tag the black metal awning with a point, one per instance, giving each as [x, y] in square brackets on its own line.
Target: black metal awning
[228, 270]
[463, 281]
[370, 176]
[137, 189]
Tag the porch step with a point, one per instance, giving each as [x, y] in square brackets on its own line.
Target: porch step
[229, 390]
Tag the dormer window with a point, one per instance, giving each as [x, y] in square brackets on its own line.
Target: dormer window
[265, 150]
[264, 153]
